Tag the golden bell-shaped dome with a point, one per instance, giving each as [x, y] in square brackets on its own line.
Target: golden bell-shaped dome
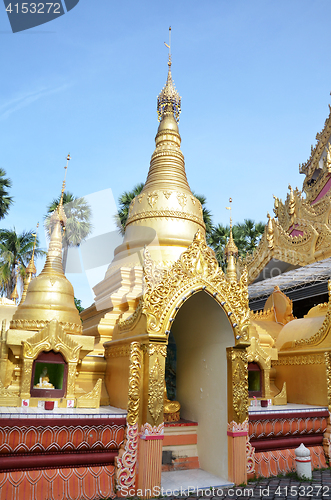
[166, 215]
[50, 295]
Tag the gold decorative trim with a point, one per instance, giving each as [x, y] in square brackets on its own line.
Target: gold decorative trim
[117, 351]
[319, 336]
[52, 337]
[133, 319]
[169, 214]
[152, 198]
[182, 199]
[304, 359]
[91, 399]
[157, 349]
[196, 269]
[327, 357]
[156, 390]
[134, 383]
[25, 324]
[239, 370]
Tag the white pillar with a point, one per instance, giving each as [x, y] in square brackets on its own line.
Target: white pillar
[303, 462]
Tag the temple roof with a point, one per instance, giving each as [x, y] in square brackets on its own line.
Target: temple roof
[310, 280]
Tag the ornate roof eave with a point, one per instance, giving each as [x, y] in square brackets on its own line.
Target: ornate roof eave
[316, 151]
[308, 168]
[297, 250]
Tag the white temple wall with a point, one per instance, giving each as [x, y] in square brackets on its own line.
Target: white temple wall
[202, 333]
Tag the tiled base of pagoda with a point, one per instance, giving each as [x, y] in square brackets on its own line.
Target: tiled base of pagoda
[180, 450]
[60, 454]
[275, 432]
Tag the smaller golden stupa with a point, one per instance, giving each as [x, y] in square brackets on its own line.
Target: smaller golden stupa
[43, 353]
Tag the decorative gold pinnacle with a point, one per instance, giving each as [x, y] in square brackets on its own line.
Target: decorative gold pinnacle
[14, 296]
[231, 248]
[169, 100]
[30, 269]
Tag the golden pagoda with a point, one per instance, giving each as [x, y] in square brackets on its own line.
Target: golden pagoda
[46, 329]
[164, 278]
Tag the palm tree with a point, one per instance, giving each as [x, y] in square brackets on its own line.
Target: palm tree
[247, 235]
[218, 240]
[124, 202]
[15, 254]
[5, 199]
[78, 225]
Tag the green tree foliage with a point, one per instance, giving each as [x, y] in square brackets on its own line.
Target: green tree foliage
[5, 200]
[78, 304]
[124, 202]
[15, 254]
[78, 225]
[246, 235]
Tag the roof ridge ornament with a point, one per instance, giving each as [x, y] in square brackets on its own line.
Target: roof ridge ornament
[169, 100]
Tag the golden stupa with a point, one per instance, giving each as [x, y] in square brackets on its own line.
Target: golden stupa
[50, 295]
[166, 207]
[163, 218]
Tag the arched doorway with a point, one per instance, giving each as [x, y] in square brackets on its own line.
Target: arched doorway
[202, 333]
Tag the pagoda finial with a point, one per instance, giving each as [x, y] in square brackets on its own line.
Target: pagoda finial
[30, 268]
[230, 248]
[231, 251]
[169, 101]
[169, 47]
[64, 182]
[14, 296]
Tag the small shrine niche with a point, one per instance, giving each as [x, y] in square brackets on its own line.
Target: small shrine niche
[49, 375]
[254, 380]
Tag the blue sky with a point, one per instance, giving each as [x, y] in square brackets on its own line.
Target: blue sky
[254, 77]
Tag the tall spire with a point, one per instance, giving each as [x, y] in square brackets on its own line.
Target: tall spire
[165, 212]
[231, 251]
[169, 100]
[167, 168]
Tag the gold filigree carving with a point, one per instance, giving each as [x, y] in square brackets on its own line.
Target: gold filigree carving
[167, 194]
[24, 324]
[170, 214]
[182, 199]
[117, 351]
[134, 382]
[52, 337]
[140, 197]
[304, 359]
[327, 357]
[238, 358]
[152, 198]
[319, 336]
[157, 349]
[155, 390]
[197, 268]
[133, 319]
[91, 399]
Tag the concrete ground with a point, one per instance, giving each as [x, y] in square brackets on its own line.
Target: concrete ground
[275, 488]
